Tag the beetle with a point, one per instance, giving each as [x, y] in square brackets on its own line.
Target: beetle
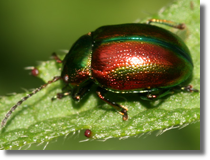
[127, 58]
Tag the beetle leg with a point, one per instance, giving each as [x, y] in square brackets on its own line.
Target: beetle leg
[168, 23]
[76, 96]
[152, 96]
[122, 110]
[55, 56]
[188, 88]
[79, 91]
[63, 94]
[149, 96]
[60, 95]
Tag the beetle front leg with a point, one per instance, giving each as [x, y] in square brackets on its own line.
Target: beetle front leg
[76, 94]
[79, 92]
[122, 110]
[63, 94]
[60, 95]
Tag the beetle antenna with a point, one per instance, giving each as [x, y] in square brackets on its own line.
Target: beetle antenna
[56, 78]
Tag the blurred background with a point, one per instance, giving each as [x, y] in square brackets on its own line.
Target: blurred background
[31, 30]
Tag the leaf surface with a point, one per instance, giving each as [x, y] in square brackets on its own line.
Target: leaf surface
[40, 120]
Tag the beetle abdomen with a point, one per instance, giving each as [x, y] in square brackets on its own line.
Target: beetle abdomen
[136, 65]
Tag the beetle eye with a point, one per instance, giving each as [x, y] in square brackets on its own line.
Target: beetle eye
[66, 78]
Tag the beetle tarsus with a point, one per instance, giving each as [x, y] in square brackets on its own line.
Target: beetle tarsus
[122, 109]
[125, 114]
[60, 95]
[189, 88]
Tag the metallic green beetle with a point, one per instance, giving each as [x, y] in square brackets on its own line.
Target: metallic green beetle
[126, 58]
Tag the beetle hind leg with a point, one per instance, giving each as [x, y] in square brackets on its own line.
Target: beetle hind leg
[121, 109]
[152, 95]
[188, 88]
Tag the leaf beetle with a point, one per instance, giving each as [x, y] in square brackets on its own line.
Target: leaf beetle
[126, 58]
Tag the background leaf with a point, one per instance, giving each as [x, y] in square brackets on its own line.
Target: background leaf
[39, 120]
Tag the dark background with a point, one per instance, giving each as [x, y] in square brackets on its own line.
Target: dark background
[31, 30]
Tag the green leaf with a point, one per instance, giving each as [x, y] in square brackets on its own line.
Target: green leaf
[40, 120]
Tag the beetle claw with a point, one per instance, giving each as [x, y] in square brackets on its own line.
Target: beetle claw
[189, 88]
[125, 114]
